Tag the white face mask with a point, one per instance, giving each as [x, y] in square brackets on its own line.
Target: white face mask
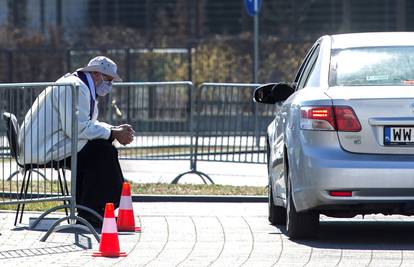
[104, 87]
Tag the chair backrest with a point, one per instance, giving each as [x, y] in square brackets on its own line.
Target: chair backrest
[12, 127]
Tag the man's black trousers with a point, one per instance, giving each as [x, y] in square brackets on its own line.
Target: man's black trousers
[99, 176]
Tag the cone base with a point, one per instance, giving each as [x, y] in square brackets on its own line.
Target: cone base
[130, 229]
[111, 255]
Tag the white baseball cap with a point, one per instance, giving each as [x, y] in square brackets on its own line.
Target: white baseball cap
[103, 65]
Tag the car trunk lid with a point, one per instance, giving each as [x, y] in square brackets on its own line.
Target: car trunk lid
[386, 115]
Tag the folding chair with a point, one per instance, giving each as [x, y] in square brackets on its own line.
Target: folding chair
[12, 127]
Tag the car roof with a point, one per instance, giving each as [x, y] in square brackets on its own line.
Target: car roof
[370, 39]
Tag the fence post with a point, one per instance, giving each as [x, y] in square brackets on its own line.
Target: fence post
[193, 139]
[128, 77]
[74, 159]
[256, 125]
[151, 89]
[193, 130]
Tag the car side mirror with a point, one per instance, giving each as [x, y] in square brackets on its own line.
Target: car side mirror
[272, 93]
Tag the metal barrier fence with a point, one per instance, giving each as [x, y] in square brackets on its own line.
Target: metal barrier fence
[176, 121]
[34, 168]
[161, 114]
[230, 127]
[16, 99]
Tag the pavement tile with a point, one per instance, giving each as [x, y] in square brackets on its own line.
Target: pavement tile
[216, 234]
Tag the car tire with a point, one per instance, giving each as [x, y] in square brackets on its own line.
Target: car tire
[277, 214]
[300, 225]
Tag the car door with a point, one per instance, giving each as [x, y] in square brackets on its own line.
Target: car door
[283, 123]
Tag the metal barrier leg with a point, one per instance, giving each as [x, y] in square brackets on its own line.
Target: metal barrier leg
[12, 175]
[17, 172]
[193, 170]
[200, 174]
[56, 227]
[72, 218]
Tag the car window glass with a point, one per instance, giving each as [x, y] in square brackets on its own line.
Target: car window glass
[372, 66]
[302, 66]
[314, 72]
[308, 67]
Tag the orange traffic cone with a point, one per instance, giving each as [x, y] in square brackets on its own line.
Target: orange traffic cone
[109, 245]
[126, 221]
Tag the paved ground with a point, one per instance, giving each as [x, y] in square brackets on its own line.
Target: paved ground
[217, 234]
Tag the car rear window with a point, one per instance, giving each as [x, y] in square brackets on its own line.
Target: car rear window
[372, 66]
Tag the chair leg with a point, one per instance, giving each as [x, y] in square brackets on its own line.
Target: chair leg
[25, 194]
[65, 182]
[64, 192]
[20, 197]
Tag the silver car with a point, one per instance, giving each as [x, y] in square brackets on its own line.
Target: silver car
[342, 141]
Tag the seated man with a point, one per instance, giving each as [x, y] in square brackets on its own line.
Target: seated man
[46, 134]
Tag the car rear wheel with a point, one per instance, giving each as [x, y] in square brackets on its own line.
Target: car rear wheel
[300, 225]
[277, 214]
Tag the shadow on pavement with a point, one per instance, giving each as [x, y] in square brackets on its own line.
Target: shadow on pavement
[369, 235]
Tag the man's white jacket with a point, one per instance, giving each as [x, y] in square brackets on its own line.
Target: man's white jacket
[46, 133]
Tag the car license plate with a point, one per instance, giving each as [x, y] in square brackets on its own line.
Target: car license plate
[398, 135]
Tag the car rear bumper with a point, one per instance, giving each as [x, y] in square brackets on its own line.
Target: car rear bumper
[374, 180]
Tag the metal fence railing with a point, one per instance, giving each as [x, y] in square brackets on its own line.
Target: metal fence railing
[31, 170]
[161, 113]
[177, 121]
[230, 127]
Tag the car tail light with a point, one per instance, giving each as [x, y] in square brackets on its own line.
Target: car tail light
[346, 120]
[317, 118]
[329, 118]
